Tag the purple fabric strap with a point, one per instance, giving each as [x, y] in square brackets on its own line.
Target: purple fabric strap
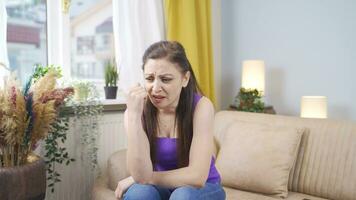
[166, 154]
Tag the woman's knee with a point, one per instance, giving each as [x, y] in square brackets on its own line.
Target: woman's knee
[184, 193]
[141, 191]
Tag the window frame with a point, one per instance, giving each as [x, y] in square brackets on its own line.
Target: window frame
[58, 40]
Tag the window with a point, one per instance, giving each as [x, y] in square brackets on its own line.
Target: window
[85, 45]
[106, 40]
[103, 42]
[26, 35]
[92, 45]
[87, 70]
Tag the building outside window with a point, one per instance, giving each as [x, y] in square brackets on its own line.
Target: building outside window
[92, 44]
[85, 45]
[26, 35]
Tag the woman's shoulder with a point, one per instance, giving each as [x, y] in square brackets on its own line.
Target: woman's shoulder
[202, 102]
[204, 110]
[196, 98]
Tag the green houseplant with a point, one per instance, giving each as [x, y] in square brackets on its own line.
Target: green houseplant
[87, 112]
[111, 78]
[55, 154]
[81, 90]
[249, 100]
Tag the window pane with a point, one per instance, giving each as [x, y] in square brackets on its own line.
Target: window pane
[91, 39]
[26, 35]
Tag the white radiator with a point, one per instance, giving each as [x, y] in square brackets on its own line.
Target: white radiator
[78, 177]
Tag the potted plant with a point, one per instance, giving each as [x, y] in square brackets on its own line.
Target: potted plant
[81, 90]
[87, 110]
[27, 116]
[249, 100]
[111, 77]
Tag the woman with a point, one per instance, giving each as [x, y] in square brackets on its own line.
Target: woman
[170, 132]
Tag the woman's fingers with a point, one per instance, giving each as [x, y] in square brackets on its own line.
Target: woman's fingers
[118, 192]
[136, 99]
[136, 90]
[122, 186]
[136, 86]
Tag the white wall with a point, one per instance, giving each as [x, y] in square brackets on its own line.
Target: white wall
[309, 48]
[216, 43]
[78, 177]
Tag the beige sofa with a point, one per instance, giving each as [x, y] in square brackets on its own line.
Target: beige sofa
[324, 166]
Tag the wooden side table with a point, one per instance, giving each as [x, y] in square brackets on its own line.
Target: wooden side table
[268, 109]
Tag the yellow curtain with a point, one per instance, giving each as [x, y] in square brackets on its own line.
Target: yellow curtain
[188, 22]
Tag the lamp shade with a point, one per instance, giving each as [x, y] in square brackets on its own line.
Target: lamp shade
[253, 75]
[313, 107]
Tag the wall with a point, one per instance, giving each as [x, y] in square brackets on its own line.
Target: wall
[216, 43]
[309, 48]
[78, 177]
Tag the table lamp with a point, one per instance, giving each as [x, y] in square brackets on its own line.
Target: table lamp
[249, 97]
[313, 107]
[253, 75]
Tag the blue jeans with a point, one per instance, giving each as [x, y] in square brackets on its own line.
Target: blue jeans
[212, 191]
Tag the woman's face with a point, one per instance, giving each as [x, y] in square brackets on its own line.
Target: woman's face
[164, 82]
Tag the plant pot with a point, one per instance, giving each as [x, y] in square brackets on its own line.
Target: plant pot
[81, 94]
[110, 92]
[24, 182]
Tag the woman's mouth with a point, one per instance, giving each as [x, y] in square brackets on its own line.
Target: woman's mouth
[157, 98]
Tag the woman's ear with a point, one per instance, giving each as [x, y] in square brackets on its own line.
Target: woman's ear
[186, 78]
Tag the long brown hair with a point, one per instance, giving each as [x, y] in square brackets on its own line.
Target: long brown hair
[173, 52]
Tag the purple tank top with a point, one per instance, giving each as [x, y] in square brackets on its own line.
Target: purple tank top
[166, 154]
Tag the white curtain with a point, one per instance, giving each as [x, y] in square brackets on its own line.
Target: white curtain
[4, 62]
[137, 24]
[58, 39]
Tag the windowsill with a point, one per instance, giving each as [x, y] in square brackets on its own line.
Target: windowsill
[114, 105]
[110, 105]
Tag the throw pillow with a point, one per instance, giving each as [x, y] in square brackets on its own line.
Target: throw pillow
[258, 157]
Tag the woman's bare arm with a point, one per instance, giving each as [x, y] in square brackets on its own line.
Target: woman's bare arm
[201, 151]
[138, 148]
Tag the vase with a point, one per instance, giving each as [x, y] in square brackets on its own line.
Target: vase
[26, 182]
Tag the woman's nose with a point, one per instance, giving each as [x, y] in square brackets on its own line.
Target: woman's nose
[156, 86]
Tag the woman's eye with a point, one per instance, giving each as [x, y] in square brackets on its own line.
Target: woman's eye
[166, 80]
[149, 79]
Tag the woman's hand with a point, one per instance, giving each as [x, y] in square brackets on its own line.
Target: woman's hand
[136, 99]
[122, 186]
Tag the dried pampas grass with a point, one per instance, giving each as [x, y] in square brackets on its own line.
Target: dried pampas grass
[45, 116]
[58, 95]
[27, 117]
[2, 133]
[44, 85]
[13, 111]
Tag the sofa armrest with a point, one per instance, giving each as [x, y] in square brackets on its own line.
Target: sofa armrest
[101, 190]
[116, 168]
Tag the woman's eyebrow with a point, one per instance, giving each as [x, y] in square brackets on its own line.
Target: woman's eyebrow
[166, 75]
[161, 75]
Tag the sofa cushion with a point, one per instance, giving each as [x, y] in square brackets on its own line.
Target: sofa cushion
[301, 196]
[234, 194]
[258, 157]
